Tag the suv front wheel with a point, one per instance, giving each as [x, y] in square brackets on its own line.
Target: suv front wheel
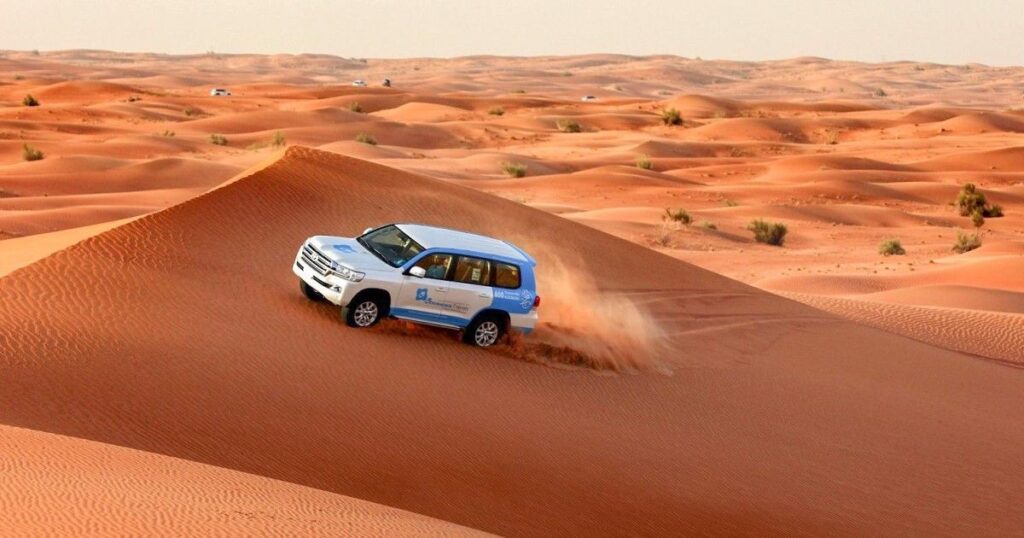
[484, 331]
[364, 311]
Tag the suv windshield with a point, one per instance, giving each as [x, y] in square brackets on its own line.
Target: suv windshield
[391, 245]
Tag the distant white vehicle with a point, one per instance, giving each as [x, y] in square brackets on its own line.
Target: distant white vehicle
[219, 92]
[360, 82]
[586, 98]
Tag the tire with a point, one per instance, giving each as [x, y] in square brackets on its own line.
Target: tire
[309, 292]
[484, 331]
[364, 311]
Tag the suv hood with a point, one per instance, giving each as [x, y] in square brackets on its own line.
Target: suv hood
[348, 252]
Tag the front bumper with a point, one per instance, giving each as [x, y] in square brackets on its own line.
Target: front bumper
[336, 290]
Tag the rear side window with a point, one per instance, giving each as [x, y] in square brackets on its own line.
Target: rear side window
[506, 276]
[473, 271]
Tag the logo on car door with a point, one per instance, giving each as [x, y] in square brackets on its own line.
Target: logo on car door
[423, 296]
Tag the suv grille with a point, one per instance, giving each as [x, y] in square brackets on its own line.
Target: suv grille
[316, 259]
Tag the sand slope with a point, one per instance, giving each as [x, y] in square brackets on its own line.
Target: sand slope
[56, 485]
[182, 333]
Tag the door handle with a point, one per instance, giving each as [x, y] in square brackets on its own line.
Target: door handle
[484, 295]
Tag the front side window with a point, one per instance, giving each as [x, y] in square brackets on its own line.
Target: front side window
[506, 276]
[473, 271]
[391, 245]
[436, 265]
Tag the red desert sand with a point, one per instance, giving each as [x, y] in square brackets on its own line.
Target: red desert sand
[162, 373]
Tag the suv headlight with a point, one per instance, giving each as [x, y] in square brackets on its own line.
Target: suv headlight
[346, 273]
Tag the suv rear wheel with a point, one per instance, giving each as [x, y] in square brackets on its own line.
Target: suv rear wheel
[484, 331]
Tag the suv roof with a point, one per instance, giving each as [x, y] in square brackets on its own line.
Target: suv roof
[436, 237]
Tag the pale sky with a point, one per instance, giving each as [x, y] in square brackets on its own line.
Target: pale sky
[947, 31]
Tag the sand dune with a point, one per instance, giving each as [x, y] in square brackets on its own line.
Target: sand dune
[234, 368]
[56, 485]
[147, 301]
[952, 296]
[987, 333]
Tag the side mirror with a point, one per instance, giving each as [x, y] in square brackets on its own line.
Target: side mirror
[418, 272]
[368, 230]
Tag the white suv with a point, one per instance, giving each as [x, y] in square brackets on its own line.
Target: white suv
[436, 276]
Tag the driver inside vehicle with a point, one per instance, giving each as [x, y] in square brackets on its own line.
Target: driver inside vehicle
[435, 265]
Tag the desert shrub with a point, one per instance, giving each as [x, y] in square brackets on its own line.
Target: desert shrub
[664, 238]
[496, 111]
[133, 98]
[708, 225]
[730, 203]
[831, 137]
[679, 215]
[31, 153]
[643, 162]
[513, 169]
[769, 233]
[568, 126]
[880, 93]
[366, 138]
[30, 101]
[19, 77]
[191, 111]
[278, 140]
[891, 247]
[970, 200]
[671, 116]
[977, 219]
[219, 140]
[355, 107]
[168, 133]
[966, 242]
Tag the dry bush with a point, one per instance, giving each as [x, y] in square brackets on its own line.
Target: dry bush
[891, 247]
[31, 153]
[769, 233]
[966, 242]
[679, 215]
[513, 169]
[568, 126]
[671, 116]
